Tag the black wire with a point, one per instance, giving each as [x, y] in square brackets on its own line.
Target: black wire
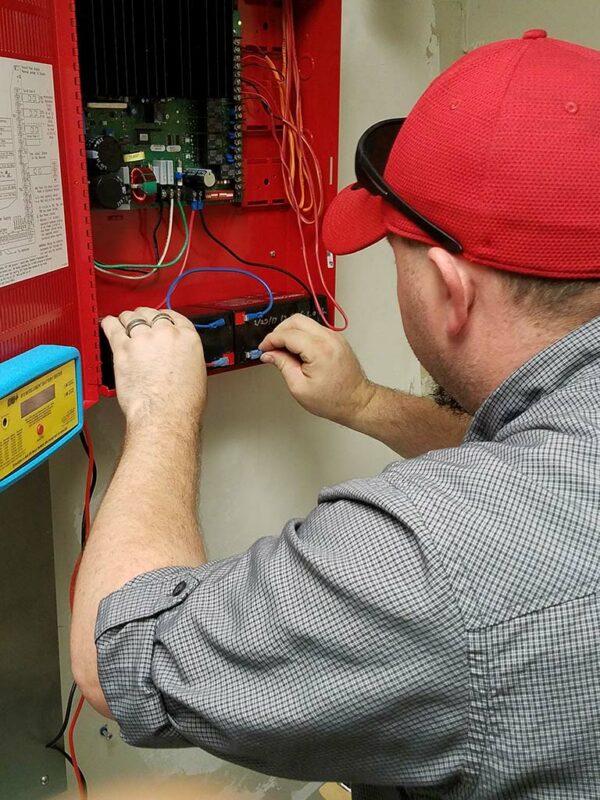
[156, 227]
[256, 264]
[84, 532]
[52, 744]
[66, 718]
[70, 760]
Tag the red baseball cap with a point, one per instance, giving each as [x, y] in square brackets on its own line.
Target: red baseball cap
[503, 153]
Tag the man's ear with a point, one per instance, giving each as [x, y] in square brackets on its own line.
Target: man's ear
[457, 287]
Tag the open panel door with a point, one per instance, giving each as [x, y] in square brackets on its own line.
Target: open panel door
[47, 289]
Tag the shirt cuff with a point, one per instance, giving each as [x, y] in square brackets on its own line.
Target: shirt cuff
[125, 632]
[145, 596]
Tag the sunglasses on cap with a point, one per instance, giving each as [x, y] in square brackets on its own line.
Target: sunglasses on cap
[372, 155]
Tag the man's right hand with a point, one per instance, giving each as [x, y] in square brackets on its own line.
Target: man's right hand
[324, 376]
[320, 369]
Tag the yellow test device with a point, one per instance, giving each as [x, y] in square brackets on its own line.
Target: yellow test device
[41, 408]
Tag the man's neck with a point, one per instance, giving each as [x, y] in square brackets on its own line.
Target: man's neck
[508, 350]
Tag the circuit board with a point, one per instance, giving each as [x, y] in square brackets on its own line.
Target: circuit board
[175, 137]
[162, 113]
[168, 129]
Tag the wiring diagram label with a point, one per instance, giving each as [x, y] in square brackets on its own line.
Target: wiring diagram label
[32, 226]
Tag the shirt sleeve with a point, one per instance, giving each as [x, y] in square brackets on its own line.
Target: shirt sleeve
[333, 652]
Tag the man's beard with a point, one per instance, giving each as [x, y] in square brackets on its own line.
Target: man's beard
[444, 399]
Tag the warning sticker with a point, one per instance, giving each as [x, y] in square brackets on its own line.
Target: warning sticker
[32, 224]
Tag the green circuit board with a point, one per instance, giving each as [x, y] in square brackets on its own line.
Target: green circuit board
[151, 128]
[173, 132]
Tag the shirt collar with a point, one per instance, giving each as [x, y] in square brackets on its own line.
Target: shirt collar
[544, 373]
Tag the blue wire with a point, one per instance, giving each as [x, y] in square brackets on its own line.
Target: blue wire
[219, 323]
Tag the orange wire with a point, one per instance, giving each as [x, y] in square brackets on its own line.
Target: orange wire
[301, 221]
[301, 170]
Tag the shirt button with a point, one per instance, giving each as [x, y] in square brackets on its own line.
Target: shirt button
[179, 588]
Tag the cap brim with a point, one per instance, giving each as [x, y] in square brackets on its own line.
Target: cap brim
[353, 221]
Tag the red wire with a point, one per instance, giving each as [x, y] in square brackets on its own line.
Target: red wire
[72, 753]
[73, 582]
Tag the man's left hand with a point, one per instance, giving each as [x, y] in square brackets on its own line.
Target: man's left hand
[160, 372]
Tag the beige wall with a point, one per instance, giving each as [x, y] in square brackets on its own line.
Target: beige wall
[490, 20]
[264, 459]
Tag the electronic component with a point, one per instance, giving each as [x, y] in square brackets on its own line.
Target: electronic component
[134, 158]
[143, 185]
[235, 339]
[250, 333]
[157, 100]
[199, 179]
[164, 171]
[219, 195]
[109, 191]
[41, 408]
[217, 343]
[103, 155]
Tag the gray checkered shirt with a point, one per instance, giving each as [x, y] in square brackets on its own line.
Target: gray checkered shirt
[434, 629]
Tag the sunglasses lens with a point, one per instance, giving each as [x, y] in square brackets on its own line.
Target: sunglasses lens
[378, 144]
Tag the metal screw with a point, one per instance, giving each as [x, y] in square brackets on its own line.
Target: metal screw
[104, 731]
[273, 254]
[44, 780]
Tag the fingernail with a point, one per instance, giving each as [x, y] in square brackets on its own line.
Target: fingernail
[266, 358]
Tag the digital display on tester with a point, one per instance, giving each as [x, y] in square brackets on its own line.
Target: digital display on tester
[37, 401]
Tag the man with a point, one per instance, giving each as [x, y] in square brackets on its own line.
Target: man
[433, 629]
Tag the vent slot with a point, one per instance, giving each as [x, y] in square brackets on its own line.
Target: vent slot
[155, 49]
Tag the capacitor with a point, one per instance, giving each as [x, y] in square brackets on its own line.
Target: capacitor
[103, 154]
[199, 179]
[109, 191]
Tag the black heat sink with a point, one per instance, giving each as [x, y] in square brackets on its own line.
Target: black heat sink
[155, 48]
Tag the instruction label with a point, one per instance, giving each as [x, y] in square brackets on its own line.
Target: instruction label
[32, 222]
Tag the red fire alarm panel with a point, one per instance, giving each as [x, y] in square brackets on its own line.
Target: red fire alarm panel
[142, 141]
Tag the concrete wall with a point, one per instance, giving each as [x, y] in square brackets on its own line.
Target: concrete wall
[264, 458]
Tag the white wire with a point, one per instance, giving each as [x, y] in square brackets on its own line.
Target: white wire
[169, 232]
[159, 262]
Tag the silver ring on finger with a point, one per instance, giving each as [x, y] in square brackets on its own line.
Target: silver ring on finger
[134, 324]
[163, 315]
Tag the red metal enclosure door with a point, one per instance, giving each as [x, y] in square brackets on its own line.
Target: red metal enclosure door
[47, 289]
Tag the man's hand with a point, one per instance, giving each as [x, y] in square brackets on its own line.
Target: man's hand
[160, 371]
[324, 376]
[319, 368]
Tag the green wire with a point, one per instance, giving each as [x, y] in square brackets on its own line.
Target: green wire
[154, 266]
